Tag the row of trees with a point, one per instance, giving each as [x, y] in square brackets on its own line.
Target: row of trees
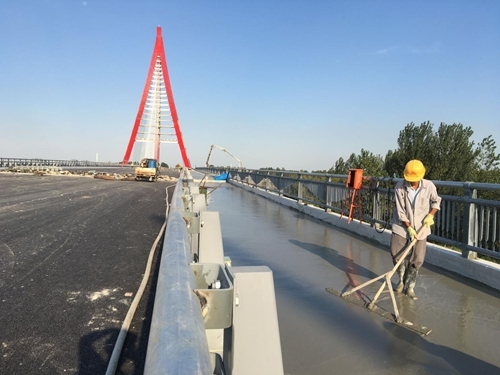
[448, 154]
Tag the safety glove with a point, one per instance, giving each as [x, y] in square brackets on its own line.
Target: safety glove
[429, 220]
[411, 232]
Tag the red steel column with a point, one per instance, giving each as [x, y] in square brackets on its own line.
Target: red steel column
[158, 51]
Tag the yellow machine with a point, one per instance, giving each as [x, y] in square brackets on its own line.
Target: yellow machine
[148, 170]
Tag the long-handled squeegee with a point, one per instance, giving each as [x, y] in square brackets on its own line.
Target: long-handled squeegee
[396, 317]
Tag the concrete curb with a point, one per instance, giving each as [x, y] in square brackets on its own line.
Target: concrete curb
[479, 270]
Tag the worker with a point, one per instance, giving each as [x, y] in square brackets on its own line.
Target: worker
[417, 202]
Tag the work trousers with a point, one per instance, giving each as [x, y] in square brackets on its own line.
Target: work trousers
[417, 254]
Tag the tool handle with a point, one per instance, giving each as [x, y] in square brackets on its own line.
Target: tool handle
[389, 273]
[407, 250]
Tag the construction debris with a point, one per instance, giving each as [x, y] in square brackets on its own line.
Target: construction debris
[57, 171]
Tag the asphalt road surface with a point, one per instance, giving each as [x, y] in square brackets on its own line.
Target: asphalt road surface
[73, 251]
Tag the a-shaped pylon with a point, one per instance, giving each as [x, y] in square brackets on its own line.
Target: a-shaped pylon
[157, 115]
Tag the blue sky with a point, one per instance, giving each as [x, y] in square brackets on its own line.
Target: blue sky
[294, 84]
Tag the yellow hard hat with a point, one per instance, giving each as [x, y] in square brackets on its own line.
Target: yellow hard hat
[414, 171]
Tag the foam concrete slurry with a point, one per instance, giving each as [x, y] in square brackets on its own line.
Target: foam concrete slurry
[322, 334]
[479, 270]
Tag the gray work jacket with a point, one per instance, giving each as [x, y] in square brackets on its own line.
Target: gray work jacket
[427, 199]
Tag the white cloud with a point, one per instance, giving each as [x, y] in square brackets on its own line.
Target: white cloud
[385, 50]
[434, 48]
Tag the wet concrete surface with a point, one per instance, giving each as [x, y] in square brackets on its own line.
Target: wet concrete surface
[323, 334]
[73, 251]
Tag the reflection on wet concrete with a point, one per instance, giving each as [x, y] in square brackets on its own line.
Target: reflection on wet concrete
[424, 351]
[323, 334]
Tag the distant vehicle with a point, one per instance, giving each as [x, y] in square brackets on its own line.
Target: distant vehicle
[148, 169]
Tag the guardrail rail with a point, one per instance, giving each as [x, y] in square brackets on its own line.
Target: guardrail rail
[200, 325]
[465, 221]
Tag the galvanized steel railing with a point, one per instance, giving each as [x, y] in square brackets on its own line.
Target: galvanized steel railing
[177, 341]
[466, 220]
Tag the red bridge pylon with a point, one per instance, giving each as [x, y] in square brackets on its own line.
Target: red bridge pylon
[157, 115]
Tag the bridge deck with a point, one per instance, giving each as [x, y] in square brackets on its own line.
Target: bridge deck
[72, 254]
[323, 334]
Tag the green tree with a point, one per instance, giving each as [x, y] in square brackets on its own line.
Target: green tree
[488, 163]
[448, 154]
[456, 157]
[340, 167]
[414, 142]
[487, 159]
[272, 169]
[373, 165]
[392, 164]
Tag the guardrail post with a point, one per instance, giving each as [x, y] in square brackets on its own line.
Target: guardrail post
[328, 180]
[254, 339]
[374, 185]
[280, 184]
[470, 222]
[299, 190]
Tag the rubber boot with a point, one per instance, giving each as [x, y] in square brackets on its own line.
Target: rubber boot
[410, 282]
[401, 273]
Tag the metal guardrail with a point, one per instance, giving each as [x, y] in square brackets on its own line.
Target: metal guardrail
[200, 325]
[464, 221]
[177, 342]
[25, 162]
